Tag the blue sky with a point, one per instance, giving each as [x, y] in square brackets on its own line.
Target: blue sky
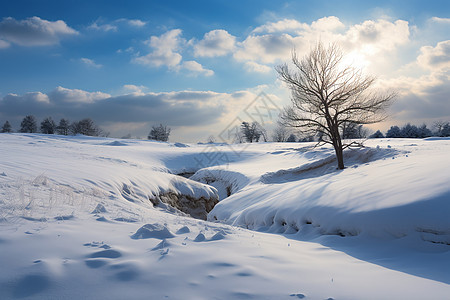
[196, 66]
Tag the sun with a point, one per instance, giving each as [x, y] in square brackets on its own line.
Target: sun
[356, 59]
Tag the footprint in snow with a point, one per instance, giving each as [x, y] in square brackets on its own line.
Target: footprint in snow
[100, 258]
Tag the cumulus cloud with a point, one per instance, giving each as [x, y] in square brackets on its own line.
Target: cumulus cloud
[34, 31]
[375, 36]
[196, 68]
[274, 41]
[435, 57]
[75, 96]
[252, 66]
[267, 48]
[423, 99]
[183, 108]
[90, 63]
[285, 25]
[331, 23]
[215, 43]
[165, 50]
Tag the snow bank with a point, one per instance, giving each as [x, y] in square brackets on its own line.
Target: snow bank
[393, 190]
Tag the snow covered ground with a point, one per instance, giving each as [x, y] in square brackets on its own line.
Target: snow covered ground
[77, 220]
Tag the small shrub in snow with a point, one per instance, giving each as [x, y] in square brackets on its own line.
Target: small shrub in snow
[159, 133]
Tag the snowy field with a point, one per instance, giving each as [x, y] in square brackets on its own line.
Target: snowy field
[89, 218]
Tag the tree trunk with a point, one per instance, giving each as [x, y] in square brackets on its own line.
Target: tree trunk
[340, 158]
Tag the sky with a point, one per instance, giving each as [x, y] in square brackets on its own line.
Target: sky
[202, 67]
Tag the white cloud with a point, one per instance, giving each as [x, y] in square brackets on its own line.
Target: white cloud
[285, 25]
[137, 23]
[34, 31]
[440, 20]
[36, 97]
[435, 57]
[90, 63]
[113, 26]
[267, 48]
[331, 24]
[193, 115]
[376, 36]
[102, 27]
[4, 44]
[137, 89]
[252, 66]
[165, 49]
[215, 43]
[75, 96]
[196, 68]
[273, 42]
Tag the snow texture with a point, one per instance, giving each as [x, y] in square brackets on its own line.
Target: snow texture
[77, 220]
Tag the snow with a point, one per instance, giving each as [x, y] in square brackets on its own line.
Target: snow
[76, 220]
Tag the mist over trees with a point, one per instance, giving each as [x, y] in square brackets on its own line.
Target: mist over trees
[281, 133]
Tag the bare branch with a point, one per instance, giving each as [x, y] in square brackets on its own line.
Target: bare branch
[326, 94]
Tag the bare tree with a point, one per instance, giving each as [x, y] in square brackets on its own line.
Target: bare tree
[85, 127]
[280, 133]
[251, 131]
[327, 94]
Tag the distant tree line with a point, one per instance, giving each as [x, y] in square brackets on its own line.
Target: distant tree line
[29, 124]
[356, 131]
[441, 129]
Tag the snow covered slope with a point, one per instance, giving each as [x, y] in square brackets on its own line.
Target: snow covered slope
[392, 188]
[77, 220]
